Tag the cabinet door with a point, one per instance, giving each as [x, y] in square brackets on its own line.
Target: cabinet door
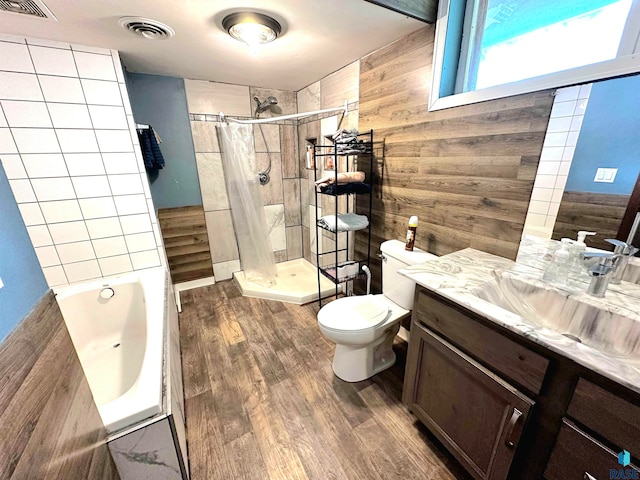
[478, 416]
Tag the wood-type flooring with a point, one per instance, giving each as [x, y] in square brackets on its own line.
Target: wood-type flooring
[262, 401]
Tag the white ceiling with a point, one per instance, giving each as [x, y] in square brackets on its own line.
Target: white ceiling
[319, 36]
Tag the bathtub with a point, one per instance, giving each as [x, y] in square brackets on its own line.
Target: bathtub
[120, 342]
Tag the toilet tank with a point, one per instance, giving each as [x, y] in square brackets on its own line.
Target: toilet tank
[396, 287]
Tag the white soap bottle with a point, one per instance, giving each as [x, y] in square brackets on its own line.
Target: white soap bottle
[579, 247]
[558, 270]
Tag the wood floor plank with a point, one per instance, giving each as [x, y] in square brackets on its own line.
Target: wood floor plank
[207, 459]
[319, 462]
[275, 444]
[275, 410]
[227, 401]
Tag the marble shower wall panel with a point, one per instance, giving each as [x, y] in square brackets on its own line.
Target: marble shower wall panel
[294, 242]
[271, 192]
[289, 150]
[212, 185]
[309, 98]
[274, 215]
[271, 135]
[75, 164]
[213, 98]
[222, 240]
[292, 202]
[205, 138]
[287, 102]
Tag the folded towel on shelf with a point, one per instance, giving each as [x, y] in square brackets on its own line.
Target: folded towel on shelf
[344, 222]
[345, 177]
[343, 188]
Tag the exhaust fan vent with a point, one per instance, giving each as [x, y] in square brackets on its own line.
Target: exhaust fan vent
[146, 28]
[26, 7]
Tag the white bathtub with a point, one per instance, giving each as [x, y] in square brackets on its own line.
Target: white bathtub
[120, 343]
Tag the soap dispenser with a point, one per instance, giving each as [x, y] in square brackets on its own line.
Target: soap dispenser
[558, 270]
[578, 248]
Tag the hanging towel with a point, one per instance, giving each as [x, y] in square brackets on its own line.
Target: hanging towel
[344, 223]
[153, 159]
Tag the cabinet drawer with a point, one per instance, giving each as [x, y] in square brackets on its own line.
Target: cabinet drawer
[484, 344]
[615, 418]
[578, 456]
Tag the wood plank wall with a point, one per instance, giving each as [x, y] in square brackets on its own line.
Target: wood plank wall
[50, 426]
[467, 172]
[598, 212]
[184, 232]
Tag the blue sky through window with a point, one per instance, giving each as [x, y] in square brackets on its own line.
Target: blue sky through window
[517, 17]
[528, 38]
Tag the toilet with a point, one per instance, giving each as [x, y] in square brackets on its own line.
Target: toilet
[363, 327]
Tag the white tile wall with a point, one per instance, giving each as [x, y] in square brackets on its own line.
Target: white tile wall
[71, 160]
[26, 114]
[562, 135]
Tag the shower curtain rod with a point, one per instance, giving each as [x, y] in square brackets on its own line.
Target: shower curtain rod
[342, 109]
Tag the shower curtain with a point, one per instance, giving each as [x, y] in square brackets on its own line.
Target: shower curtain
[247, 208]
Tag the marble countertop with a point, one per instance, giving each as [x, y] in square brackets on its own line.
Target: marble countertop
[456, 276]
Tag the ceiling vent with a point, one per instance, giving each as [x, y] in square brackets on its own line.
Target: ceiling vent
[146, 28]
[34, 8]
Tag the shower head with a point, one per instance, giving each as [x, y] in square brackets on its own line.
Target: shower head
[264, 105]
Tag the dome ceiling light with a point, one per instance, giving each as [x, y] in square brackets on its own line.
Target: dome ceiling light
[251, 28]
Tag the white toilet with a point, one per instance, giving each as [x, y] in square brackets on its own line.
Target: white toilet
[363, 327]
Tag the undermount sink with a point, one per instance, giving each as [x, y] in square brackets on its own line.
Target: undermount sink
[577, 316]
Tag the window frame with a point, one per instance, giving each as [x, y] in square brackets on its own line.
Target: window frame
[627, 62]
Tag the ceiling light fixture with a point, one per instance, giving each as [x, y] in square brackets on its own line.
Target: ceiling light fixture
[251, 28]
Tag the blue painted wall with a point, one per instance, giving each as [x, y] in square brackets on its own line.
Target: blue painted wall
[24, 283]
[610, 137]
[162, 103]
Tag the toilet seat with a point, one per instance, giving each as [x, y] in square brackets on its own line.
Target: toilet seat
[351, 314]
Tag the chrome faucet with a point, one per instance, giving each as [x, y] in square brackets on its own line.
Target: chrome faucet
[599, 270]
[625, 251]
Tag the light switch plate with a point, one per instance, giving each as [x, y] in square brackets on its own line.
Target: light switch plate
[606, 175]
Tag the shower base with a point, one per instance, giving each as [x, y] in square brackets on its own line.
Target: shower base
[297, 283]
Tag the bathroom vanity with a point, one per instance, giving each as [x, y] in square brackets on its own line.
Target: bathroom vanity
[507, 393]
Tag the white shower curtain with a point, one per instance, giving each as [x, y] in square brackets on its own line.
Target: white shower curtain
[247, 208]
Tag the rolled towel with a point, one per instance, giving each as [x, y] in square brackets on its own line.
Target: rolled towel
[345, 222]
[345, 177]
[355, 187]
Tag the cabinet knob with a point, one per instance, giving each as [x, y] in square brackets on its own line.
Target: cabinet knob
[515, 416]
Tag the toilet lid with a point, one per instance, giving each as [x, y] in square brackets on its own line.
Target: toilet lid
[353, 313]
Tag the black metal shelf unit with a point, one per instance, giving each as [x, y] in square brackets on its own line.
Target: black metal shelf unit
[342, 271]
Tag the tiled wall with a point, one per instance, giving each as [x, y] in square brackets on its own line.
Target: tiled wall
[281, 195]
[331, 91]
[70, 150]
[569, 106]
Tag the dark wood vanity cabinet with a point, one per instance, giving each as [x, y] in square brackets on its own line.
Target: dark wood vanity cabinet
[484, 393]
[472, 411]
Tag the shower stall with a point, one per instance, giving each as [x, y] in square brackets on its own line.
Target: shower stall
[293, 281]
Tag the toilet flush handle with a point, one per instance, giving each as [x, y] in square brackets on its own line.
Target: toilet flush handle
[382, 257]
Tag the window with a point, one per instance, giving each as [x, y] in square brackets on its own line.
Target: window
[495, 48]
